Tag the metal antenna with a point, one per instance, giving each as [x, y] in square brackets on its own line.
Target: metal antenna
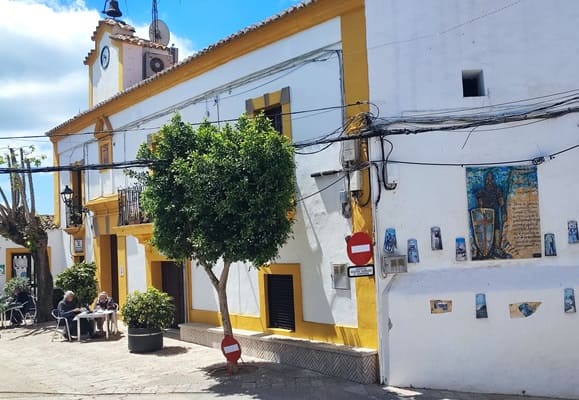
[155, 22]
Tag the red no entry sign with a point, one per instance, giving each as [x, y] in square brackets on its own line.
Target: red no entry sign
[231, 349]
[360, 248]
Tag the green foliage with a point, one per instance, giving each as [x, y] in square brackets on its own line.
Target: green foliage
[18, 282]
[81, 279]
[149, 309]
[220, 192]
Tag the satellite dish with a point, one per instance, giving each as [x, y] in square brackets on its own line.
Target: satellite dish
[159, 32]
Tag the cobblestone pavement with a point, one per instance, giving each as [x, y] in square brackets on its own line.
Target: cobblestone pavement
[33, 367]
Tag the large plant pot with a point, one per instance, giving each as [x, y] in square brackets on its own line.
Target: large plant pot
[145, 340]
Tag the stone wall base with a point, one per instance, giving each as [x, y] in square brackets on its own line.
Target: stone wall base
[352, 363]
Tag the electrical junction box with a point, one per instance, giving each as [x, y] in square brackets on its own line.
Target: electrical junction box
[394, 265]
[350, 150]
[355, 181]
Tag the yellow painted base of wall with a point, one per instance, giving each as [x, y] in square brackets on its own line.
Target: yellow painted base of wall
[336, 334]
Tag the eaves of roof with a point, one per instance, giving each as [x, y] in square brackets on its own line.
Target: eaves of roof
[297, 18]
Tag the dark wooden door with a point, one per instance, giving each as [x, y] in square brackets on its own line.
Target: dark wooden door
[280, 300]
[114, 269]
[172, 275]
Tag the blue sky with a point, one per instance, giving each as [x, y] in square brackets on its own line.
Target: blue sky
[201, 21]
[45, 82]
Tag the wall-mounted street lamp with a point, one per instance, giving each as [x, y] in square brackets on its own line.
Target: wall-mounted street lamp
[67, 195]
[74, 211]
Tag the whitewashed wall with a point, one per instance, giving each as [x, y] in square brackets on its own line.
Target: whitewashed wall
[320, 229]
[417, 51]
[57, 256]
[136, 275]
[105, 81]
[132, 64]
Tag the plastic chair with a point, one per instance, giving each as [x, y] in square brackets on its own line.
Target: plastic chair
[30, 315]
[113, 323]
[60, 320]
[14, 309]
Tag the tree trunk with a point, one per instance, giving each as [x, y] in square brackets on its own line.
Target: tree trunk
[222, 295]
[44, 279]
[220, 286]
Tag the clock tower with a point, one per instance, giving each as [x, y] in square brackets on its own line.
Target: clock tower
[120, 59]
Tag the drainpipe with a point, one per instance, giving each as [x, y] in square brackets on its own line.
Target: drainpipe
[383, 286]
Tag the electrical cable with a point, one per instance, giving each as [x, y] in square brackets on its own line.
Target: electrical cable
[365, 203]
[379, 195]
[321, 190]
[385, 161]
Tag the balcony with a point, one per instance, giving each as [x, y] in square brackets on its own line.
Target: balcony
[130, 211]
[74, 213]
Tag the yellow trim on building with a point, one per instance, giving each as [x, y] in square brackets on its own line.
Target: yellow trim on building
[102, 253]
[120, 51]
[270, 100]
[122, 269]
[295, 22]
[330, 333]
[90, 86]
[10, 251]
[356, 87]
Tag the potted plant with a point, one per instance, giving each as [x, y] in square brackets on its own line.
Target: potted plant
[146, 315]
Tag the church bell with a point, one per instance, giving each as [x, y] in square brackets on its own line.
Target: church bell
[113, 11]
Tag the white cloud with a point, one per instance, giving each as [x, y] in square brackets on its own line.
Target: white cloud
[43, 80]
[185, 46]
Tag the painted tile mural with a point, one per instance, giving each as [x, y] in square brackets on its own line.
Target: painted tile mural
[503, 207]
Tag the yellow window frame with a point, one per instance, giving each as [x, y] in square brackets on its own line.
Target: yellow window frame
[280, 98]
[103, 133]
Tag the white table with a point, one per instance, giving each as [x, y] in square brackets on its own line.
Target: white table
[9, 309]
[107, 315]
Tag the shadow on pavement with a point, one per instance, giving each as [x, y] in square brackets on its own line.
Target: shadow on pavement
[168, 351]
[31, 330]
[266, 380]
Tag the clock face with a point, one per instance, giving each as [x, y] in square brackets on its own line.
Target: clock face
[105, 57]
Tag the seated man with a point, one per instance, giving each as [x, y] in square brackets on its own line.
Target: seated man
[103, 302]
[68, 309]
[19, 298]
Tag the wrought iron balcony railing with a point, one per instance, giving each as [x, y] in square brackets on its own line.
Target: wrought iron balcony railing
[74, 213]
[130, 211]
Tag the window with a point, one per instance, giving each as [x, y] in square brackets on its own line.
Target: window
[473, 83]
[105, 150]
[275, 106]
[280, 301]
[103, 134]
[275, 116]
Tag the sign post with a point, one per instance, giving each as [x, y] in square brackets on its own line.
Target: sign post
[360, 248]
[359, 271]
[232, 352]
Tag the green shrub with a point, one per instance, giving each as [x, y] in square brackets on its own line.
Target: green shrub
[18, 282]
[81, 279]
[149, 309]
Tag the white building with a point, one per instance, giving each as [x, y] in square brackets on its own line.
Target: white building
[305, 68]
[447, 62]
[16, 261]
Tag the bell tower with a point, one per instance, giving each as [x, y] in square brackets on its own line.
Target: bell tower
[120, 59]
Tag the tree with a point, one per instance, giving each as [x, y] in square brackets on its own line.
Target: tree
[81, 279]
[20, 223]
[219, 194]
